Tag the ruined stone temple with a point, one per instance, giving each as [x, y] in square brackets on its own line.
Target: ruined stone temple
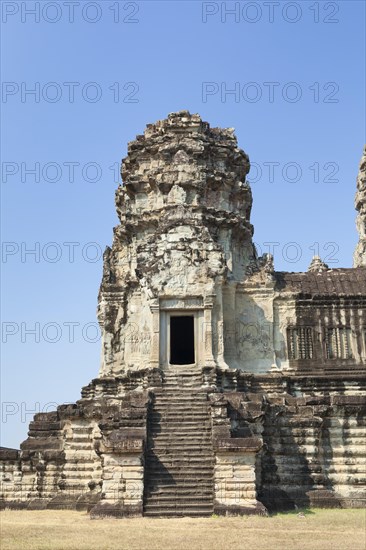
[225, 386]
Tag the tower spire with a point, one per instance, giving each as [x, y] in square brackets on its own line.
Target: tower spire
[359, 257]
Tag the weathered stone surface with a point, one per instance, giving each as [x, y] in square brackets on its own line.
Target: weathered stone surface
[247, 444]
[267, 409]
[359, 257]
[8, 454]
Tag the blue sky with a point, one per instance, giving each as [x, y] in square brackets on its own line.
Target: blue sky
[297, 70]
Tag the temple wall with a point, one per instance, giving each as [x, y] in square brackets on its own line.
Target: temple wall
[313, 436]
[10, 476]
[279, 440]
[267, 330]
[249, 337]
[316, 452]
[79, 455]
[277, 363]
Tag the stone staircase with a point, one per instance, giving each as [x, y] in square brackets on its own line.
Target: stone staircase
[179, 465]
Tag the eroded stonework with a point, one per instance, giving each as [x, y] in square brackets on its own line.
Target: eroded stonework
[225, 387]
[359, 258]
[185, 228]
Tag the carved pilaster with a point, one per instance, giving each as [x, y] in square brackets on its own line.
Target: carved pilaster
[154, 353]
[208, 329]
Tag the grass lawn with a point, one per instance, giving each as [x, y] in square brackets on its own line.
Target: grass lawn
[68, 530]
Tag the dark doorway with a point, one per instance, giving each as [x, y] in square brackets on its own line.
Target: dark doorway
[182, 340]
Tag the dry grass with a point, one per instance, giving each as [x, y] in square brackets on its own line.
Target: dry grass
[65, 530]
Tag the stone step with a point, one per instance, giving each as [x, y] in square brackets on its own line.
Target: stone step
[179, 411]
[186, 394]
[180, 459]
[184, 457]
[174, 401]
[174, 425]
[179, 504]
[183, 377]
[180, 498]
[163, 444]
[185, 440]
[191, 436]
[189, 440]
[189, 487]
[181, 408]
[180, 477]
[182, 381]
[172, 404]
[157, 495]
[193, 407]
[180, 455]
[163, 452]
[179, 470]
[159, 415]
[186, 391]
[196, 414]
[155, 462]
[176, 476]
[186, 417]
[161, 486]
[78, 439]
[175, 387]
[163, 455]
[183, 450]
[177, 449]
[184, 407]
[177, 445]
[180, 429]
[179, 514]
[175, 430]
[179, 421]
[171, 464]
[182, 371]
[193, 415]
[181, 396]
[181, 511]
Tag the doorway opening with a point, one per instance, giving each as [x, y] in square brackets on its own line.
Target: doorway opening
[182, 340]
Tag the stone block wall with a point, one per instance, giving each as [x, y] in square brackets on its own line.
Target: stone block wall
[312, 434]
[82, 455]
[283, 355]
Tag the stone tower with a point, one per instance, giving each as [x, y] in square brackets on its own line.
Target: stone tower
[225, 386]
[359, 258]
[185, 230]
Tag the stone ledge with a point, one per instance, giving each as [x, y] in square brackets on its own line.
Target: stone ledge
[238, 444]
[9, 454]
[116, 510]
[358, 400]
[120, 441]
[51, 416]
[42, 444]
[236, 510]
